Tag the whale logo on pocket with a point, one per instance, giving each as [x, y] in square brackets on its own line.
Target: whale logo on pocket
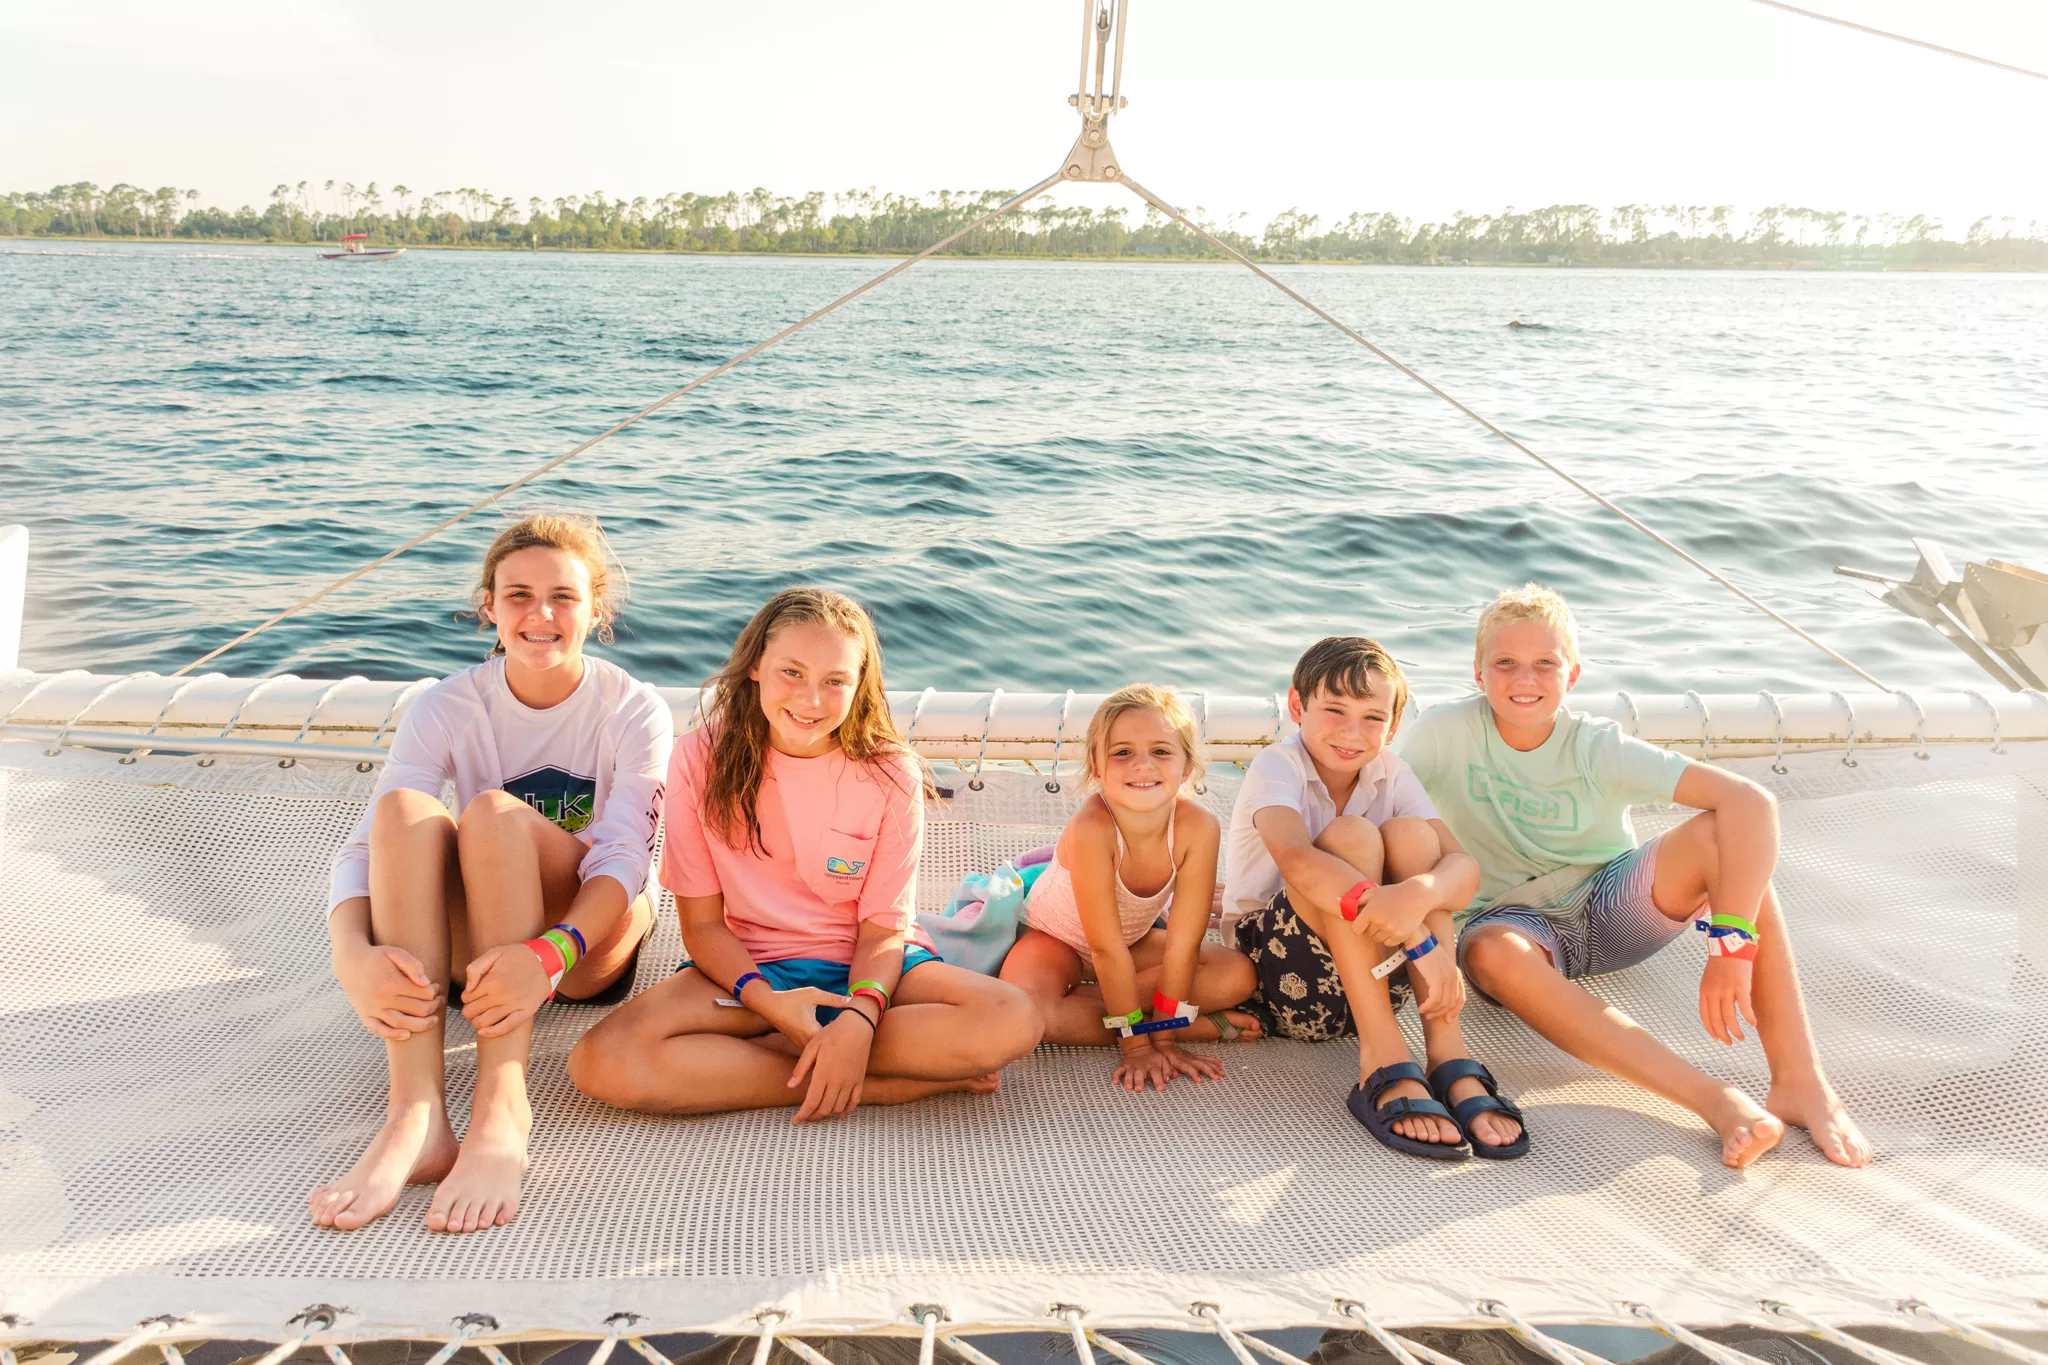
[841, 867]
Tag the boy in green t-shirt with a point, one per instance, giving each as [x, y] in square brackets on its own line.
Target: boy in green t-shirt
[1540, 796]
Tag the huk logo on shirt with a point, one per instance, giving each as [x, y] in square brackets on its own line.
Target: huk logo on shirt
[1555, 810]
[842, 867]
[564, 798]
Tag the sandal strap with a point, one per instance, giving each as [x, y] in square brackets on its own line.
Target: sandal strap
[1461, 1069]
[1226, 1031]
[1405, 1108]
[1386, 1077]
[1464, 1111]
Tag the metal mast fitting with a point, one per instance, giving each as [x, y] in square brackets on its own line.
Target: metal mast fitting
[1093, 158]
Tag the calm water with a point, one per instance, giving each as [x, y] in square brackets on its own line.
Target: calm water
[1037, 475]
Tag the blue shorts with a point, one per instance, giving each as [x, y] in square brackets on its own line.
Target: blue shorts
[793, 972]
[1609, 922]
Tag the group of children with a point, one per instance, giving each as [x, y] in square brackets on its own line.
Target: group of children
[1495, 847]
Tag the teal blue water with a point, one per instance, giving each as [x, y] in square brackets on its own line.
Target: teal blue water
[1038, 475]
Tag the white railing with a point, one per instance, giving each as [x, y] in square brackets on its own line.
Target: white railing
[354, 718]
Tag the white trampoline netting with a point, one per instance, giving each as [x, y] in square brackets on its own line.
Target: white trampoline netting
[178, 1069]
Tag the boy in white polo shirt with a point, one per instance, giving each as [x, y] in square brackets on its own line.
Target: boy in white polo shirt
[1541, 794]
[1338, 875]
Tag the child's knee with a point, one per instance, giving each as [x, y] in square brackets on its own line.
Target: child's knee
[594, 1068]
[403, 809]
[1357, 841]
[1412, 847]
[1492, 953]
[1228, 976]
[1009, 1024]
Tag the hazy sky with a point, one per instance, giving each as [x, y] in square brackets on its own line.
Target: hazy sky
[1331, 105]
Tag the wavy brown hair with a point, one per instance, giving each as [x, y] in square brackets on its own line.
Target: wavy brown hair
[730, 704]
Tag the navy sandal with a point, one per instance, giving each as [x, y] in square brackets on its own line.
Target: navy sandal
[1464, 1111]
[1379, 1120]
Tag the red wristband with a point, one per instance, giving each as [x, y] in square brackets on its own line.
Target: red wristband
[874, 993]
[1348, 905]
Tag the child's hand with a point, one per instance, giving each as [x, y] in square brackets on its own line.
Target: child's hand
[1439, 985]
[793, 1013]
[1391, 914]
[836, 1060]
[1142, 1064]
[1724, 997]
[503, 989]
[1195, 1066]
[390, 991]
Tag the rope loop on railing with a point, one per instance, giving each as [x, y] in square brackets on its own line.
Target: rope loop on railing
[1848, 753]
[1202, 740]
[1706, 727]
[37, 690]
[1919, 725]
[1635, 715]
[235, 716]
[57, 744]
[1997, 721]
[320, 702]
[1279, 714]
[1778, 715]
[1059, 736]
[391, 715]
[988, 719]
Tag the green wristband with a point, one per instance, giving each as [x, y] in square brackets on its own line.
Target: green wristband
[1721, 921]
[874, 986]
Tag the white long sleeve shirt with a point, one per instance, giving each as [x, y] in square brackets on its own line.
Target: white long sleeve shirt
[594, 764]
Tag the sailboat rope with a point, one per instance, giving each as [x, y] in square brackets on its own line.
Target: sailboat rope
[1902, 38]
[1100, 20]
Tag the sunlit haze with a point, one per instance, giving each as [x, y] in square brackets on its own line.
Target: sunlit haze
[1329, 105]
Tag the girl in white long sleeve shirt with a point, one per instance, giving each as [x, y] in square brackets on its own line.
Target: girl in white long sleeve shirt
[533, 883]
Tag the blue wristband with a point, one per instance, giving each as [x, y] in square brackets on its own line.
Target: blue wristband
[582, 948]
[741, 985]
[1160, 1025]
[1422, 949]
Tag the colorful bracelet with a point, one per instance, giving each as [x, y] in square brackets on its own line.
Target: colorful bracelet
[558, 949]
[1160, 1025]
[739, 986]
[1347, 904]
[1735, 922]
[1731, 942]
[1390, 966]
[1167, 1007]
[1422, 949]
[1125, 1024]
[874, 993]
[875, 986]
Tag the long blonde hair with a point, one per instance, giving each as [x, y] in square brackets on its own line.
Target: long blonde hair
[730, 704]
[570, 532]
[1145, 697]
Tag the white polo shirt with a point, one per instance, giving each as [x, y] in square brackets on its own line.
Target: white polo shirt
[1284, 775]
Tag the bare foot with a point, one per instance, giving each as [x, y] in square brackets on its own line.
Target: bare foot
[904, 1090]
[414, 1147]
[1814, 1106]
[1746, 1131]
[482, 1191]
[1204, 1029]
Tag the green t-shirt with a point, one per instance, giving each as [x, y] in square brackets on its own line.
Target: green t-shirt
[1563, 804]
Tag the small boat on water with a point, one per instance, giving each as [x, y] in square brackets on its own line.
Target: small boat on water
[352, 249]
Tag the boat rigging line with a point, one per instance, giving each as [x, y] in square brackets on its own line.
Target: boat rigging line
[1902, 38]
[1092, 159]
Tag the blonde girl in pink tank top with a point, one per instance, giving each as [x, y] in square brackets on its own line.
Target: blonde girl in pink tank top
[1139, 847]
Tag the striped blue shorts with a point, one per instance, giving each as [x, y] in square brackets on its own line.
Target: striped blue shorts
[1610, 922]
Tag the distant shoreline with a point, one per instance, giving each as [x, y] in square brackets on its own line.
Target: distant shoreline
[1779, 267]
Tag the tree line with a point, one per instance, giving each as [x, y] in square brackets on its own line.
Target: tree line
[871, 222]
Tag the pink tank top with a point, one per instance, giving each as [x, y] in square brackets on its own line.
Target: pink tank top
[1051, 908]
